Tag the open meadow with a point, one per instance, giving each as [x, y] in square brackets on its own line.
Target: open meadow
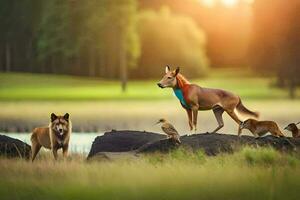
[149, 100]
[45, 87]
[96, 105]
[26, 100]
[248, 174]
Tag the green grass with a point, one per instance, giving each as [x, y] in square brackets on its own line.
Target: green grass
[16, 86]
[178, 175]
[23, 86]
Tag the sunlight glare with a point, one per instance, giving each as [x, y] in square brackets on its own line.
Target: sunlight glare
[230, 3]
[226, 3]
[249, 1]
[209, 3]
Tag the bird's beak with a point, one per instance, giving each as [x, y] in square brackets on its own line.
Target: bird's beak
[156, 123]
[285, 128]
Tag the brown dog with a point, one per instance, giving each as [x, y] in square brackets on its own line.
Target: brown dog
[260, 128]
[54, 137]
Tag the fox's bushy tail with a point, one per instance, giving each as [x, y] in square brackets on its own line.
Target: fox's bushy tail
[245, 111]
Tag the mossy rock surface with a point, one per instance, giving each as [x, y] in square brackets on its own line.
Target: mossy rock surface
[13, 148]
[211, 144]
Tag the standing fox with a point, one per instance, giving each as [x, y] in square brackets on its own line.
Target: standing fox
[260, 128]
[54, 137]
[194, 98]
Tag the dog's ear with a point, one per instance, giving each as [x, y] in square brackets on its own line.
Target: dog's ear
[177, 71]
[66, 117]
[167, 69]
[53, 117]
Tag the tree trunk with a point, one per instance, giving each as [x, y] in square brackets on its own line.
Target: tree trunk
[43, 65]
[77, 62]
[122, 59]
[7, 57]
[292, 89]
[101, 64]
[2, 59]
[123, 65]
[64, 65]
[92, 63]
[52, 64]
[29, 56]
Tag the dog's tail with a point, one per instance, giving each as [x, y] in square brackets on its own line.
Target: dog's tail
[245, 111]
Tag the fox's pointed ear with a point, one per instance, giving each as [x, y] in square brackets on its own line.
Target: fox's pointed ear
[53, 117]
[177, 71]
[66, 116]
[167, 69]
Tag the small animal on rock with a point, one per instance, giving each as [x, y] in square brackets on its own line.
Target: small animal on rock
[169, 130]
[260, 128]
[294, 129]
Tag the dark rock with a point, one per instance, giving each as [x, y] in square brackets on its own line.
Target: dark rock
[13, 148]
[212, 144]
[121, 141]
[164, 145]
[113, 156]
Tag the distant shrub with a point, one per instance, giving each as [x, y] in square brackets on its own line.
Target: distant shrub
[170, 39]
[200, 155]
[178, 155]
[185, 154]
[292, 160]
[261, 156]
[253, 157]
[155, 159]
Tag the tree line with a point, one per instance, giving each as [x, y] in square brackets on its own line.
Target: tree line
[94, 38]
[91, 38]
[118, 39]
[275, 47]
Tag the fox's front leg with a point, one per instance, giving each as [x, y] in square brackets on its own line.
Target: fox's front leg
[239, 130]
[195, 116]
[190, 117]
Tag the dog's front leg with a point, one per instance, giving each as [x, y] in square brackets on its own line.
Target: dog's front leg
[65, 150]
[54, 151]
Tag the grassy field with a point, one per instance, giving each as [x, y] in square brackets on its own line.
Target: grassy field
[22, 86]
[248, 174]
[26, 100]
[136, 115]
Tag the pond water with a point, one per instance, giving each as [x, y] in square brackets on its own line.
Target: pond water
[79, 142]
